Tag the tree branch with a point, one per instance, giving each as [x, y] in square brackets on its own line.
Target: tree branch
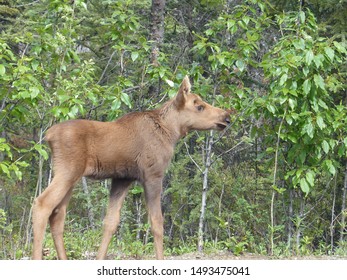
[197, 165]
[105, 69]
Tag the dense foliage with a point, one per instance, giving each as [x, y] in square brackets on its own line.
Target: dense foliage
[274, 182]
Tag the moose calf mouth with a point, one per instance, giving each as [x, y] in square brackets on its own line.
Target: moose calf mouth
[221, 126]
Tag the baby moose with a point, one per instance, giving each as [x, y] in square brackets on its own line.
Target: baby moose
[136, 147]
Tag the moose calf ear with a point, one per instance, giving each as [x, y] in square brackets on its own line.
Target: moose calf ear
[183, 91]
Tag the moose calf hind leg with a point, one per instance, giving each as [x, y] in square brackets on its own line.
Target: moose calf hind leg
[57, 220]
[119, 190]
[40, 218]
[55, 194]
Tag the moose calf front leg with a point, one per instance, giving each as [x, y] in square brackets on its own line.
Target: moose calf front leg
[153, 194]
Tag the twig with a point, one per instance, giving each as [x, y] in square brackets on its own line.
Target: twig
[27, 4]
[192, 158]
[108, 63]
[227, 151]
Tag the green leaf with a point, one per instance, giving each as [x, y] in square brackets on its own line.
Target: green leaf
[35, 64]
[82, 4]
[279, 190]
[209, 32]
[162, 72]
[75, 56]
[318, 80]
[136, 190]
[62, 98]
[330, 53]
[2, 70]
[330, 166]
[246, 19]
[115, 105]
[302, 16]
[318, 60]
[339, 47]
[22, 163]
[325, 146]
[320, 122]
[322, 104]
[292, 103]
[73, 112]
[134, 56]
[34, 92]
[170, 83]
[240, 65]
[271, 108]
[302, 157]
[126, 99]
[221, 59]
[283, 79]
[332, 143]
[5, 169]
[292, 138]
[304, 186]
[289, 119]
[300, 44]
[310, 177]
[306, 86]
[41, 151]
[230, 23]
[309, 129]
[309, 57]
[16, 171]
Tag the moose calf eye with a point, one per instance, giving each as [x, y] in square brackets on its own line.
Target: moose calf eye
[200, 108]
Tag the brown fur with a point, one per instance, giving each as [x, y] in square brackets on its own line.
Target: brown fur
[138, 146]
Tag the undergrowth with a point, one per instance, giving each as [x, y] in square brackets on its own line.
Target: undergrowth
[84, 245]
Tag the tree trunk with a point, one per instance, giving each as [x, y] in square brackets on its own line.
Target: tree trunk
[38, 191]
[219, 213]
[332, 223]
[157, 28]
[204, 192]
[290, 218]
[138, 205]
[298, 223]
[89, 206]
[343, 229]
[156, 36]
[343, 208]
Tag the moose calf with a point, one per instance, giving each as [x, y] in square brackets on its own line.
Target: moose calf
[136, 147]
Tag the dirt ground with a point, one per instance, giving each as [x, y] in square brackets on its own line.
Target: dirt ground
[247, 256]
[224, 255]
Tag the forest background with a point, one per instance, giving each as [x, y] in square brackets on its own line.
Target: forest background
[274, 183]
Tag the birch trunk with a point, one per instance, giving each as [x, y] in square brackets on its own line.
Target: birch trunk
[204, 192]
[138, 204]
[89, 205]
[332, 223]
[298, 223]
[343, 229]
[343, 208]
[290, 218]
